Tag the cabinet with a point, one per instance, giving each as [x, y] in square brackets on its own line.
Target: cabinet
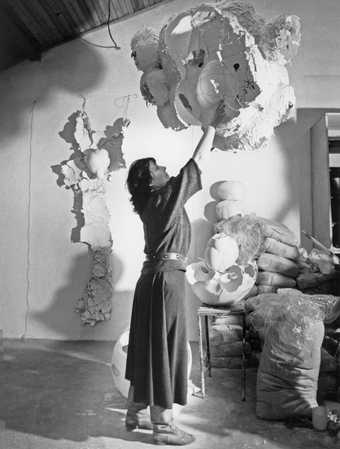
[334, 178]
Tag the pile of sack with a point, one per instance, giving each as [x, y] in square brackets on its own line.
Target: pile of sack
[291, 326]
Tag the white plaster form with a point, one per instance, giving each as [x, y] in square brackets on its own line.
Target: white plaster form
[88, 172]
[220, 53]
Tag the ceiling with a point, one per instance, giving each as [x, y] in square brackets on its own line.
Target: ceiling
[30, 27]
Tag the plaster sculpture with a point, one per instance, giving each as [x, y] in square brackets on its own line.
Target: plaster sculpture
[225, 276]
[281, 262]
[118, 361]
[271, 244]
[87, 173]
[247, 254]
[221, 52]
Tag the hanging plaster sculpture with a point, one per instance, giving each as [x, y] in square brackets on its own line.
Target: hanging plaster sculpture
[88, 172]
[224, 276]
[215, 53]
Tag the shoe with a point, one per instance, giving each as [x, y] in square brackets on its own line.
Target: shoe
[137, 421]
[319, 418]
[170, 434]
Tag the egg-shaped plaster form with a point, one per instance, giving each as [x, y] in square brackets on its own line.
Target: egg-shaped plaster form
[118, 363]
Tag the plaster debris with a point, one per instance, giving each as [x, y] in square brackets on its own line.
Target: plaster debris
[220, 52]
[95, 304]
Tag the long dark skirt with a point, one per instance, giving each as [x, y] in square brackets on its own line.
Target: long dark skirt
[157, 361]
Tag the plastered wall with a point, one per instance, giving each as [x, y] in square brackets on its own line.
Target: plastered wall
[41, 272]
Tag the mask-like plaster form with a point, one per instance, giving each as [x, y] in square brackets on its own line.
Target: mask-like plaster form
[88, 172]
[215, 53]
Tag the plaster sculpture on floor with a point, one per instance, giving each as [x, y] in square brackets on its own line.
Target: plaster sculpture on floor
[118, 362]
[221, 52]
[87, 173]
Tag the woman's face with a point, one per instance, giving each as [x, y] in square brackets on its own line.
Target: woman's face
[159, 176]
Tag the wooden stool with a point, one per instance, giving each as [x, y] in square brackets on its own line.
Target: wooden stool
[233, 317]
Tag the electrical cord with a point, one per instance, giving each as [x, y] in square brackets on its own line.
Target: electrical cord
[116, 46]
[108, 25]
[29, 222]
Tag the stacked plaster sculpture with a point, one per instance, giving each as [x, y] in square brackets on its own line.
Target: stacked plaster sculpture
[221, 52]
[87, 172]
[225, 276]
[245, 250]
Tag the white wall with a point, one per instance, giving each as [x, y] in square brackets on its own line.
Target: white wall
[41, 272]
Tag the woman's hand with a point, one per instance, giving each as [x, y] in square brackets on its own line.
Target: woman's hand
[204, 145]
[219, 114]
[207, 128]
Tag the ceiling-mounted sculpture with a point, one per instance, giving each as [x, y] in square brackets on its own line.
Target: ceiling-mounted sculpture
[221, 52]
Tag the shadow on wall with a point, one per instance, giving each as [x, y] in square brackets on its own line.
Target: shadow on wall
[75, 68]
[202, 230]
[63, 321]
[288, 136]
[291, 136]
[60, 316]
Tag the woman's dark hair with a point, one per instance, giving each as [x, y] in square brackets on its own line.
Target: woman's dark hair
[138, 183]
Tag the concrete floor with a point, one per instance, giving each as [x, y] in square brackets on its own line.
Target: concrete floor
[52, 397]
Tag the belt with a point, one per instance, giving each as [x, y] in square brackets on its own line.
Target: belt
[166, 256]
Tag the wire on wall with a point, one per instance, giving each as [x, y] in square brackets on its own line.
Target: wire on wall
[124, 102]
[29, 220]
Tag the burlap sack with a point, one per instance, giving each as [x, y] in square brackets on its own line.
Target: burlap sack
[273, 246]
[275, 279]
[278, 264]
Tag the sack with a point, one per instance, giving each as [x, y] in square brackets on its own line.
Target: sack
[291, 325]
[274, 279]
[278, 264]
[277, 231]
[287, 378]
[266, 289]
[273, 246]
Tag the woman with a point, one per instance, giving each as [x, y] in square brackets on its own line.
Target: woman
[157, 352]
